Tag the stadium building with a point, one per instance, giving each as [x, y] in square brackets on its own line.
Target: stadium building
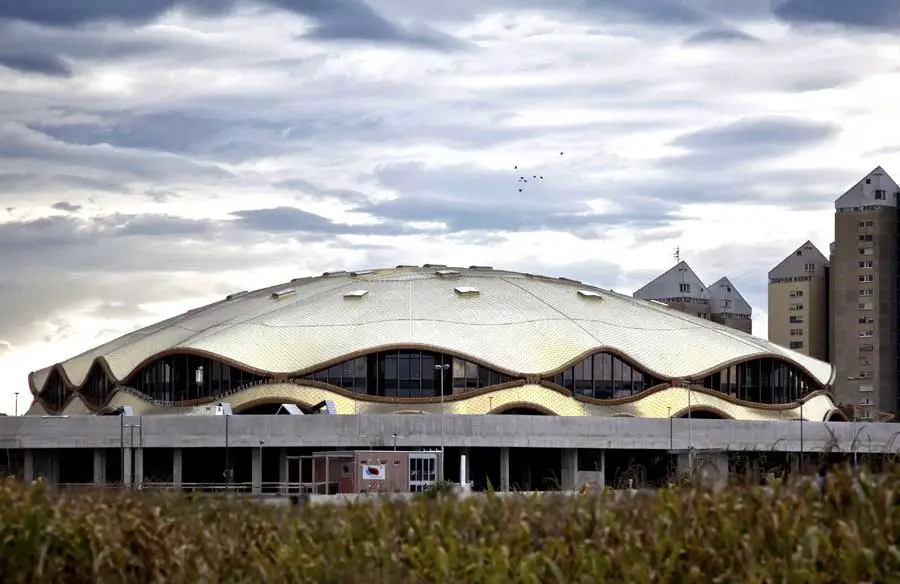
[392, 340]
[420, 340]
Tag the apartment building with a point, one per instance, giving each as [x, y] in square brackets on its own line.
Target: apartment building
[798, 302]
[680, 288]
[863, 285]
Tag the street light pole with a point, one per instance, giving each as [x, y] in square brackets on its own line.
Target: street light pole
[441, 368]
[17, 403]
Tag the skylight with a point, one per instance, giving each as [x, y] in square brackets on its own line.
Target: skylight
[590, 294]
[466, 291]
[362, 272]
[283, 293]
[447, 273]
[356, 294]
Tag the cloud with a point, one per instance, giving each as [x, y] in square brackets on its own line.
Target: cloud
[35, 62]
[714, 36]
[333, 19]
[66, 206]
[872, 14]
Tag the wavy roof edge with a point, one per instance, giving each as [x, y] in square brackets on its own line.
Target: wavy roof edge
[82, 364]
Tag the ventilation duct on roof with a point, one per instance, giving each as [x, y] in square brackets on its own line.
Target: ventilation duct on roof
[434, 265]
[591, 294]
[356, 294]
[447, 273]
[481, 267]
[236, 294]
[337, 273]
[466, 291]
[278, 295]
[362, 273]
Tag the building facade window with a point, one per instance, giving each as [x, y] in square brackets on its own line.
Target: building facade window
[866, 348]
[866, 306]
[796, 319]
[796, 344]
[796, 294]
[865, 237]
[868, 223]
[605, 376]
[866, 334]
[809, 268]
[796, 332]
[880, 195]
[684, 288]
[866, 251]
[866, 292]
[864, 279]
[866, 319]
[796, 306]
[865, 265]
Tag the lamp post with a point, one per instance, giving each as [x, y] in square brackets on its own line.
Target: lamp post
[853, 420]
[17, 404]
[441, 368]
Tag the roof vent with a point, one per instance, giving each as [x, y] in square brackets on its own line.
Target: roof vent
[356, 294]
[593, 294]
[337, 273]
[481, 267]
[447, 273]
[278, 295]
[434, 266]
[564, 279]
[466, 291]
[295, 280]
[362, 273]
[405, 266]
[235, 294]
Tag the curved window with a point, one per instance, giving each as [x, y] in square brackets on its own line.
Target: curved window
[54, 394]
[605, 376]
[189, 377]
[408, 374]
[97, 386]
[768, 381]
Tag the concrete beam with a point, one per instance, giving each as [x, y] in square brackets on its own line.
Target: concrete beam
[371, 430]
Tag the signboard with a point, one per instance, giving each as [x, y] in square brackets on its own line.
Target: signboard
[373, 472]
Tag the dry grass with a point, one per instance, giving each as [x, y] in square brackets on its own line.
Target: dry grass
[682, 534]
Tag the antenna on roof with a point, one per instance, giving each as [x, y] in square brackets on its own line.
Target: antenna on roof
[677, 254]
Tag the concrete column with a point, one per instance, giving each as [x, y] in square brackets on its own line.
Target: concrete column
[504, 469]
[256, 474]
[138, 467]
[28, 467]
[569, 469]
[126, 467]
[99, 466]
[177, 468]
[794, 463]
[709, 467]
[283, 475]
[53, 467]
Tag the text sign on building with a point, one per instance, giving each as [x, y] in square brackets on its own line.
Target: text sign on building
[373, 472]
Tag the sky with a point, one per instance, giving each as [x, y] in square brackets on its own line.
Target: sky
[158, 155]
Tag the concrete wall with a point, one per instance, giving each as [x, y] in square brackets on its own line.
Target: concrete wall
[375, 431]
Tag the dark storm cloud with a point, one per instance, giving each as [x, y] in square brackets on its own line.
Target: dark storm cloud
[67, 207]
[334, 19]
[25, 145]
[35, 62]
[868, 14]
[715, 36]
[291, 219]
[746, 141]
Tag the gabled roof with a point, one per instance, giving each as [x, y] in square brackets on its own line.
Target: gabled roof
[862, 194]
[726, 298]
[668, 285]
[795, 264]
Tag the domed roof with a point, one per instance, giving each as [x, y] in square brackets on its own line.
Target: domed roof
[517, 323]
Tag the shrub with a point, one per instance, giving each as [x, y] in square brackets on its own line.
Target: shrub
[778, 533]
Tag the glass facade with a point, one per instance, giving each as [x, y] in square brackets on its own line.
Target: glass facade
[408, 374]
[420, 374]
[605, 376]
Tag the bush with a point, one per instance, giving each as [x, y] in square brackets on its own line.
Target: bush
[780, 533]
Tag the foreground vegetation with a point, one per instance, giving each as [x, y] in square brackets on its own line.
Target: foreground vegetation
[682, 534]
